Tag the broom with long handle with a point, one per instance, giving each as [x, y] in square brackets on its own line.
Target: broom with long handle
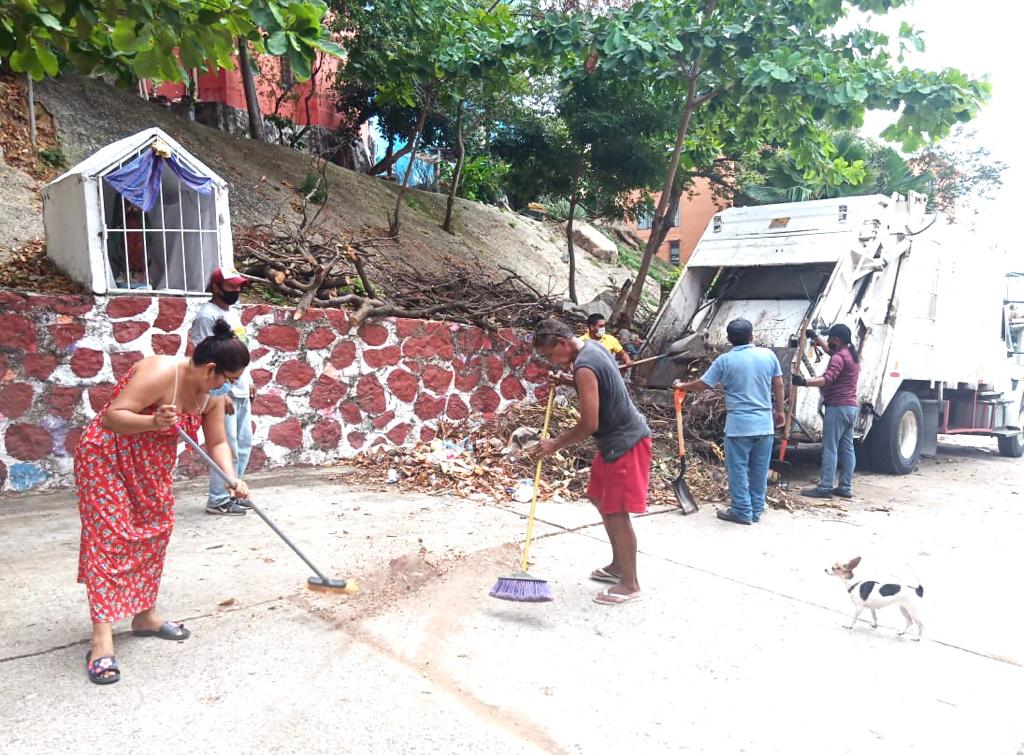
[523, 587]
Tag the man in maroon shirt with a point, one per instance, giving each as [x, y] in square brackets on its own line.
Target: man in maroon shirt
[839, 394]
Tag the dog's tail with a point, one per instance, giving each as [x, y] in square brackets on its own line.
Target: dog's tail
[920, 591]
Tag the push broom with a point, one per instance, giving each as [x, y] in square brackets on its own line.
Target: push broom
[522, 587]
[317, 582]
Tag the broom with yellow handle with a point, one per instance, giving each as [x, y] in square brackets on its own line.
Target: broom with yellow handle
[522, 587]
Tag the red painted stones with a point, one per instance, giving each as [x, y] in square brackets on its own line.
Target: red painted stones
[170, 313]
[295, 374]
[327, 392]
[99, 396]
[28, 442]
[269, 405]
[125, 332]
[398, 434]
[428, 407]
[356, 439]
[320, 338]
[326, 433]
[260, 377]
[15, 399]
[343, 356]
[166, 344]
[373, 335]
[386, 357]
[512, 389]
[17, 332]
[403, 385]
[283, 337]
[66, 334]
[39, 366]
[252, 312]
[370, 395]
[351, 413]
[456, 408]
[86, 362]
[437, 379]
[122, 361]
[485, 400]
[287, 434]
[64, 400]
[127, 306]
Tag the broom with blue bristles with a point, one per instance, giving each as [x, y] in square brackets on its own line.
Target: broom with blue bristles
[521, 586]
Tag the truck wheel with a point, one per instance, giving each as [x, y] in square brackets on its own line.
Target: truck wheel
[895, 440]
[1013, 447]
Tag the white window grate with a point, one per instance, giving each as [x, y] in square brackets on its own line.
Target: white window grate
[171, 249]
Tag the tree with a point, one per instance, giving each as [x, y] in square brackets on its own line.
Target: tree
[960, 169]
[157, 39]
[862, 166]
[416, 53]
[761, 72]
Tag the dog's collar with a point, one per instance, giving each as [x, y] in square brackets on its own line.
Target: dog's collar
[850, 588]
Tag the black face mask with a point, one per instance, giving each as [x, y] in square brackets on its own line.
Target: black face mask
[229, 297]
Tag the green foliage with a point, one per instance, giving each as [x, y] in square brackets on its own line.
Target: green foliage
[481, 180]
[54, 157]
[156, 39]
[557, 209]
[314, 188]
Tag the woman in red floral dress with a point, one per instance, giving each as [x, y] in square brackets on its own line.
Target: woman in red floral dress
[123, 469]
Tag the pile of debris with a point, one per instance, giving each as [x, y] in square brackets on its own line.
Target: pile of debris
[301, 264]
[28, 268]
[476, 462]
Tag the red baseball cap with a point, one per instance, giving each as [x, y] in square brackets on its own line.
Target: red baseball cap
[229, 274]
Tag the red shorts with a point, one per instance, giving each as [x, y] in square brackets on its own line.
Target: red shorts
[622, 485]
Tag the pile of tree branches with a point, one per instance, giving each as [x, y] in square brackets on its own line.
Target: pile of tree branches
[299, 260]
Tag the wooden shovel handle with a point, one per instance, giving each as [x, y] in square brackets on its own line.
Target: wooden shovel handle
[680, 398]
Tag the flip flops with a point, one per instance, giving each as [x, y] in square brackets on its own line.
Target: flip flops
[167, 631]
[609, 598]
[103, 670]
[603, 575]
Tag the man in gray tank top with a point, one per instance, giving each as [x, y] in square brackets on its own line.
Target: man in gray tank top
[620, 473]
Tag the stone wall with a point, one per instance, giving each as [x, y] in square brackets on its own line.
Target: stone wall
[324, 392]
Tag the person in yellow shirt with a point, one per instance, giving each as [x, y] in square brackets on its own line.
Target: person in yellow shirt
[596, 332]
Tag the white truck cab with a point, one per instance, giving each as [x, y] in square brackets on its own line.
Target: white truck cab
[940, 338]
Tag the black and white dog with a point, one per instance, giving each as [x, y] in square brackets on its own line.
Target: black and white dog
[874, 595]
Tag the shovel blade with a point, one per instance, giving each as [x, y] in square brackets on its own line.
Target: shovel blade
[684, 496]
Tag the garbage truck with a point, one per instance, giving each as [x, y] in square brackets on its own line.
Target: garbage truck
[937, 322]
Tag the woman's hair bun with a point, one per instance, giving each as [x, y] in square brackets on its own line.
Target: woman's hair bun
[221, 329]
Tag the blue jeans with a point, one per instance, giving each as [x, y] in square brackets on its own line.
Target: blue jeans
[239, 431]
[746, 461]
[837, 447]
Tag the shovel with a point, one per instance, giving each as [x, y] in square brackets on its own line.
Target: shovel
[687, 503]
[692, 346]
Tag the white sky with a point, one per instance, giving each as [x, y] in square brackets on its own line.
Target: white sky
[981, 37]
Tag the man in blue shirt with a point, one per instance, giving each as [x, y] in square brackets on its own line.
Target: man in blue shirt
[751, 376]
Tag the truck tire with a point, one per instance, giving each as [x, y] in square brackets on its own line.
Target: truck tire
[1013, 447]
[894, 443]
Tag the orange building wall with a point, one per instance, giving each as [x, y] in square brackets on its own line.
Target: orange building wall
[695, 212]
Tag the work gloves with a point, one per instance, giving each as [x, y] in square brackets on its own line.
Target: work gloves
[799, 380]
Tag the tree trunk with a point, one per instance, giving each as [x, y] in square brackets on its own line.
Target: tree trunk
[31, 91]
[395, 223]
[657, 230]
[460, 159]
[573, 199]
[252, 102]
[389, 159]
[672, 212]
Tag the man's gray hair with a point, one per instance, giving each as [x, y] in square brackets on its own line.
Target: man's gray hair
[549, 332]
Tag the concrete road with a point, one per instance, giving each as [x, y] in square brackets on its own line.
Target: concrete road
[739, 644]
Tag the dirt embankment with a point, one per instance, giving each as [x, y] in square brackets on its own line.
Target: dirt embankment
[88, 113]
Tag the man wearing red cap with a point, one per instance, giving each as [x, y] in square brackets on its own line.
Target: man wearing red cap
[224, 288]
